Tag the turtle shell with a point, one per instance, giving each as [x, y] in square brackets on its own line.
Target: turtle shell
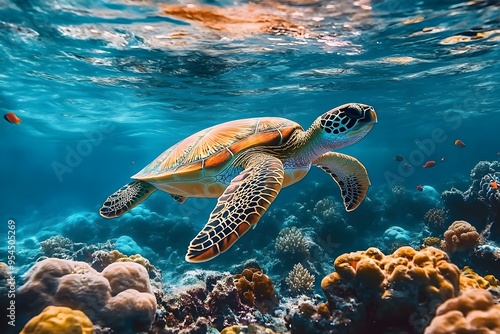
[209, 151]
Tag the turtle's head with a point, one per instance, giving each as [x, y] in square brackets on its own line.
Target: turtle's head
[347, 124]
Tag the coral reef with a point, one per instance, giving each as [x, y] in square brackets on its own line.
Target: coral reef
[255, 288]
[59, 319]
[380, 291]
[478, 204]
[212, 303]
[292, 244]
[300, 280]
[471, 313]
[460, 236]
[119, 297]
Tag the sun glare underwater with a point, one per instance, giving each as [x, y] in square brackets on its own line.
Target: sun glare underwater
[298, 166]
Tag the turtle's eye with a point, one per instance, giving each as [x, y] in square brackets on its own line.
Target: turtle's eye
[353, 111]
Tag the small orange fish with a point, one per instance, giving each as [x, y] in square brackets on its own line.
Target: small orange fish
[399, 158]
[443, 159]
[12, 118]
[459, 143]
[494, 185]
[419, 187]
[429, 164]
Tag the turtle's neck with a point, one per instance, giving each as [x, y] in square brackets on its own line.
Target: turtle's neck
[308, 145]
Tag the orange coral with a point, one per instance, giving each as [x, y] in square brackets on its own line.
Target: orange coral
[396, 283]
[59, 319]
[471, 313]
[254, 286]
[460, 236]
[469, 279]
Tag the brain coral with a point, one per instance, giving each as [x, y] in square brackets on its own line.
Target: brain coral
[384, 290]
[59, 319]
[460, 236]
[472, 313]
[120, 297]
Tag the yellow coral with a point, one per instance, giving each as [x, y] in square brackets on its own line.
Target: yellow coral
[61, 320]
[250, 329]
[137, 258]
[469, 279]
[432, 242]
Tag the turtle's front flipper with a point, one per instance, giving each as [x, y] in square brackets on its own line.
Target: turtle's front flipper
[349, 174]
[240, 207]
[126, 198]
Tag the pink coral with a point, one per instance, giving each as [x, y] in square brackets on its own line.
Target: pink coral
[120, 297]
[460, 236]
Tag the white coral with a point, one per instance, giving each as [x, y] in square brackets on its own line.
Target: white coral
[300, 279]
[291, 241]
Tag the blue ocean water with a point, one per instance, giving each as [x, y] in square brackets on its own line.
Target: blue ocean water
[103, 87]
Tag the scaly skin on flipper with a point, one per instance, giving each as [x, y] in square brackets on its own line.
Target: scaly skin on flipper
[350, 175]
[126, 198]
[240, 207]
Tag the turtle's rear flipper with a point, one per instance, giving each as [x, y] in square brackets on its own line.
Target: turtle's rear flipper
[240, 207]
[126, 198]
[349, 174]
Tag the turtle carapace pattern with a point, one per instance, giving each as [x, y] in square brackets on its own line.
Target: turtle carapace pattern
[244, 164]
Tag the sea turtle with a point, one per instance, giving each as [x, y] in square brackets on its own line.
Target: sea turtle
[245, 163]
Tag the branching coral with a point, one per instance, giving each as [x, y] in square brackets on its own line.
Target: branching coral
[55, 244]
[460, 236]
[300, 280]
[120, 297]
[436, 217]
[291, 242]
[59, 319]
[471, 313]
[395, 285]
[325, 208]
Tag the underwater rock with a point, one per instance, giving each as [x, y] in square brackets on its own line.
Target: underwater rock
[396, 234]
[119, 297]
[127, 245]
[472, 312]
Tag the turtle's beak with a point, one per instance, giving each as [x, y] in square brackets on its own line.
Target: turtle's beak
[370, 116]
[366, 122]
